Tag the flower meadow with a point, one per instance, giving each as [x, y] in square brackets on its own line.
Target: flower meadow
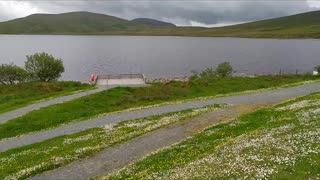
[29, 160]
[281, 142]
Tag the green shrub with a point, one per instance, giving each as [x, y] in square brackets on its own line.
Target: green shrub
[224, 69]
[205, 75]
[44, 67]
[208, 73]
[12, 74]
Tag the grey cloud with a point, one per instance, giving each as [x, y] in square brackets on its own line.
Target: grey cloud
[180, 12]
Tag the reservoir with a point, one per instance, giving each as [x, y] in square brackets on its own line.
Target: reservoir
[162, 56]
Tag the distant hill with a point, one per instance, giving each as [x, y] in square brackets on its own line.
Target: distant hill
[305, 25]
[152, 22]
[73, 23]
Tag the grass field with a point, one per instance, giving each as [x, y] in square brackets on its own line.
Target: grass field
[16, 96]
[281, 142]
[26, 161]
[122, 98]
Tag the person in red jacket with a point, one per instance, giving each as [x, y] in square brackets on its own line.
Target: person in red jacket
[92, 78]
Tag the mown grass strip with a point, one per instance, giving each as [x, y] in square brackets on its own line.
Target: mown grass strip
[29, 160]
[276, 143]
[16, 96]
[122, 98]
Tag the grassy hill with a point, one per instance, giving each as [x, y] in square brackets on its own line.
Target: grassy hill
[152, 22]
[67, 23]
[305, 25]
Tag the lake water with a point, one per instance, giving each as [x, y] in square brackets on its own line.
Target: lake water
[163, 56]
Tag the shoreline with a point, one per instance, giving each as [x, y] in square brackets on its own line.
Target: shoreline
[185, 78]
[167, 35]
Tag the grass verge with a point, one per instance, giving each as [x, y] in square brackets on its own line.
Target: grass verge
[26, 161]
[274, 143]
[122, 98]
[16, 96]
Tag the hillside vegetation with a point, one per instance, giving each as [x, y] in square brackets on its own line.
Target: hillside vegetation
[305, 25]
[69, 23]
[152, 22]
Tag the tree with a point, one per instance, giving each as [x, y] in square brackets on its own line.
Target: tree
[224, 69]
[44, 67]
[12, 74]
[317, 68]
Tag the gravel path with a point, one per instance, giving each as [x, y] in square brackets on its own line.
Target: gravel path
[259, 98]
[118, 156]
[22, 111]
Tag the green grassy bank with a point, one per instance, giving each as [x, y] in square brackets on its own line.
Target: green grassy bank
[122, 98]
[274, 143]
[16, 96]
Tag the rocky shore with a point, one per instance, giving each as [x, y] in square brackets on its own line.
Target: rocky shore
[186, 78]
[167, 79]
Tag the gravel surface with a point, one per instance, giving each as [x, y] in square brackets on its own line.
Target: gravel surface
[259, 98]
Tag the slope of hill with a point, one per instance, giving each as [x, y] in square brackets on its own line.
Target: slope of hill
[69, 23]
[152, 22]
[305, 25]
[75, 22]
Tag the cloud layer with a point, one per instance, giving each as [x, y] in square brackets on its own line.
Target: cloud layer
[183, 12]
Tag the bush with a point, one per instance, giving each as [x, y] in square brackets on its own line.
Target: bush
[224, 69]
[44, 67]
[12, 74]
[194, 76]
[208, 73]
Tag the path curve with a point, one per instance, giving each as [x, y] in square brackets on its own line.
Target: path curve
[120, 155]
[258, 98]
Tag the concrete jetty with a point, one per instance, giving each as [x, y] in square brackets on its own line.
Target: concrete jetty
[120, 79]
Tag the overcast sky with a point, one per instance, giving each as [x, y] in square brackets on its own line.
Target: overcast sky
[183, 12]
